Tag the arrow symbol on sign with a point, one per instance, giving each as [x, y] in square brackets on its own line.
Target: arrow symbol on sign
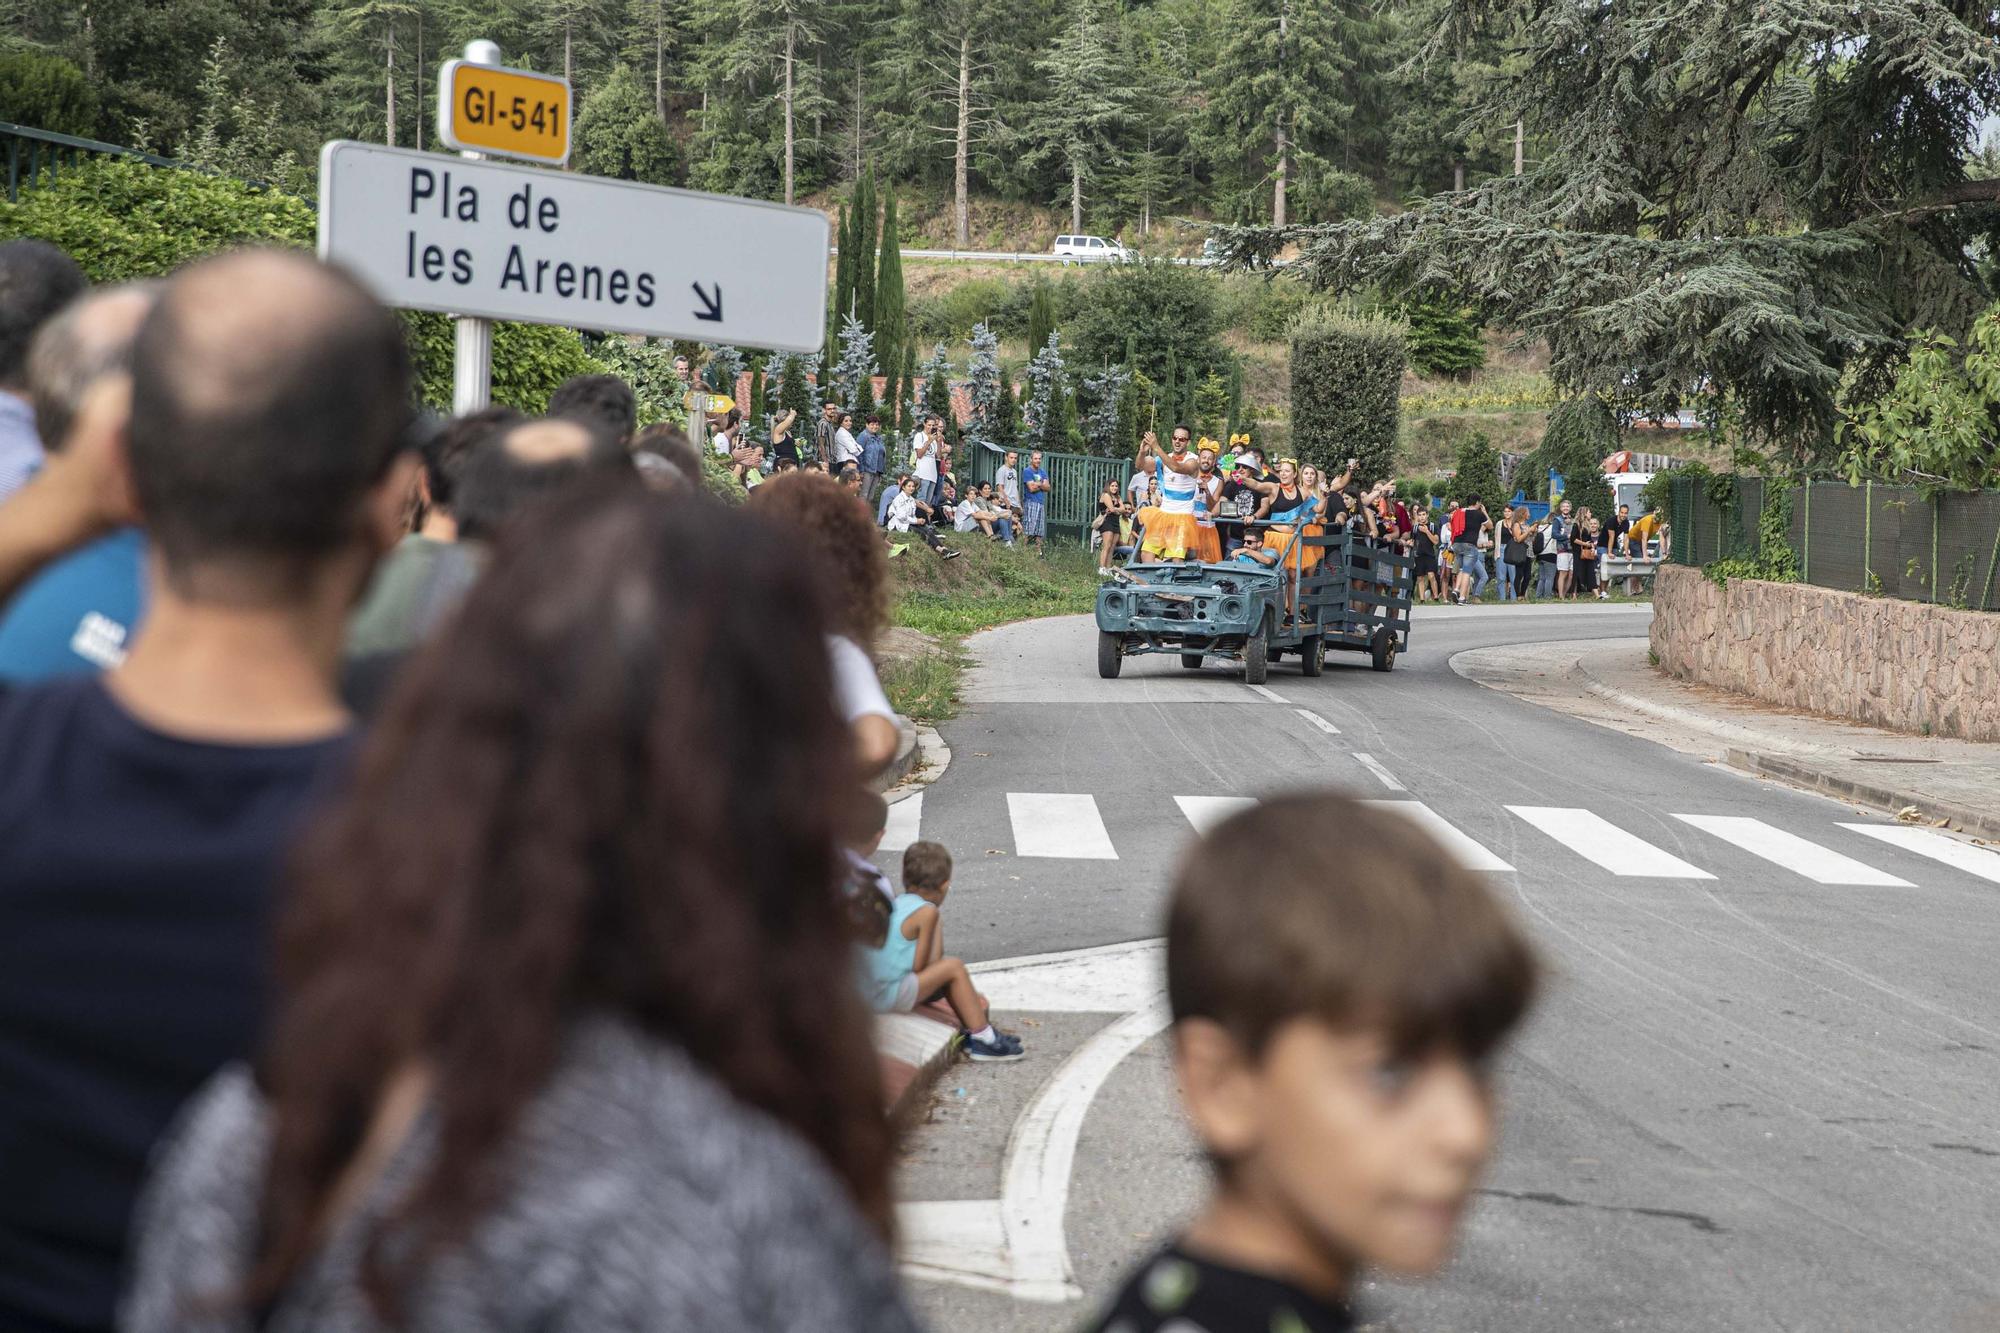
[712, 305]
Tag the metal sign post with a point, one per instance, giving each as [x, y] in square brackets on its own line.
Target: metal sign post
[472, 337]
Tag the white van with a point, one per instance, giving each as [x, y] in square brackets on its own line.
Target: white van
[1082, 249]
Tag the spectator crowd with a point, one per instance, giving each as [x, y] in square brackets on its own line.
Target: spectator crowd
[437, 880]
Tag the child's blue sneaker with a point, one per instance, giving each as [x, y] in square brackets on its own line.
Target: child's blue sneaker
[1002, 1047]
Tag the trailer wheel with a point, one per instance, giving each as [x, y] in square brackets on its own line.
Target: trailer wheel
[1192, 661]
[1312, 655]
[1110, 654]
[1256, 655]
[1383, 650]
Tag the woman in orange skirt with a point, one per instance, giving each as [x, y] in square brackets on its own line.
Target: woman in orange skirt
[1207, 493]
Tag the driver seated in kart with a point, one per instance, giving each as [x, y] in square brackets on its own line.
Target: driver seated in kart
[1253, 552]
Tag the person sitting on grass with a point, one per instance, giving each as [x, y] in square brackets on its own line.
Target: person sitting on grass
[909, 514]
[909, 967]
[1335, 1019]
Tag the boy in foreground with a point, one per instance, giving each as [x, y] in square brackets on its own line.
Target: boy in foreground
[1334, 1016]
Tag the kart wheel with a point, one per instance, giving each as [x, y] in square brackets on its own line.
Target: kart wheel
[1312, 655]
[1110, 654]
[1192, 661]
[1383, 650]
[1256, 656]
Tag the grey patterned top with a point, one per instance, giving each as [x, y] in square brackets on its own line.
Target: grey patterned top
[643, 1197]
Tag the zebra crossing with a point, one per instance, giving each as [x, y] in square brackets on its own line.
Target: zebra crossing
[1069, 826]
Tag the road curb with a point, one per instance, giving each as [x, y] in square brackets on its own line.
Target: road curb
[1807, 774]
[907, 751]
[914, 1051]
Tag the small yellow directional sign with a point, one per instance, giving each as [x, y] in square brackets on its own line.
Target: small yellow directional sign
[511, 112]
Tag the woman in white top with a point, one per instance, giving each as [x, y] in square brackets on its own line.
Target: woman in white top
[843, 548]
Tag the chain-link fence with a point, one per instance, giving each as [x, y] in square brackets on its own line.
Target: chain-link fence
[1892, 540]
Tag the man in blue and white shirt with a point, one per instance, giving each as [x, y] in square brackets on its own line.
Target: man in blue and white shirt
[36, 280]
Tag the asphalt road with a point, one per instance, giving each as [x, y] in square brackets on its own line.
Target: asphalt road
[1759, 1093]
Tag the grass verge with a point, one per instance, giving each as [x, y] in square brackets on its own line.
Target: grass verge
[946, 600]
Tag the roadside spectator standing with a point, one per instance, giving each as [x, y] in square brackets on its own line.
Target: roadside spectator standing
[1035, 502]
[36, 280]
[79, 614]
[909, 967]
[1425, 564]
[1518, 551]
[1561, 526]
[873, 459]
[1503, 572]
[784, 444]
[1469, 523]
[604, 402]
[1617, 541]
[495, 1095]
[846, 448]
[1007, 478]
[1335, 1069]
[924, 458]
[1585, 545]
[149, 810]
[729, 436]
[826, 432]
[1544, 544]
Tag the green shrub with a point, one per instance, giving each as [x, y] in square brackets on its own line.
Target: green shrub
[1346, 370]
[1444, 337]
[1166, 310]
[122, 220]
[45, 92]
[619, 134]
[949, 317]
[529, 360]
[1477, 470]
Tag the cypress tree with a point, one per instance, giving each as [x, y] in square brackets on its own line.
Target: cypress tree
[1007, 413]
[864, 251]
[843, 284]
[906, 403]
[892, 393]
[1169, 398]
[1235, 398]
[890, 334]
[755, 410]
[1041, 317]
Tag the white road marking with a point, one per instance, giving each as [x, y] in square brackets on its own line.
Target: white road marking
[1464, 849]
[1270, 694]
[1594, 838]
[1058, 824]
[1108, 979]
[1373, 765]
[1317, 721]
[905, 816]
[1937, 846]
[1792, 852]
[1015, 1244]
[1205, 812]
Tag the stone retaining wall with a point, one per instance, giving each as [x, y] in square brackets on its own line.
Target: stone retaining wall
[1881, 660]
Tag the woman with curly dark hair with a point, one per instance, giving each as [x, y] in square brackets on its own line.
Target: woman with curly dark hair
[839, 541]
[567, 1036]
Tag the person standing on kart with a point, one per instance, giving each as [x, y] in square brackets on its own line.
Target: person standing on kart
[1171, 531]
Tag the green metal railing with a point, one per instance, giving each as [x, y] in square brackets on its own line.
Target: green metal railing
[35, 154]
[1075, 481]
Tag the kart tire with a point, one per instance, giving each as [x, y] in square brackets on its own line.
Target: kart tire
[1110, 654]
[1257, 655]
[1382, 650]
[1312, 655]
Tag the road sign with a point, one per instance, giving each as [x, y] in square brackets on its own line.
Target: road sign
[514, 112]
[429, 232]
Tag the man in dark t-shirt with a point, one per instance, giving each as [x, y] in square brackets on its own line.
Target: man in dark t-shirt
[146, 814]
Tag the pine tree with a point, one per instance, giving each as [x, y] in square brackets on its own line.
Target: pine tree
[1274, 97]
[1050, 413]
[1104, 426]
[890, 333]
[722, 369]
[857, 365]
[982, 383]
[937, 387]
[795, 391]
[1084, 105]
[1211, 407]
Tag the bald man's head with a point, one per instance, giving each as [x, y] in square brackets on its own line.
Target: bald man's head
[90, 338]
[515, 468]
[270, 394]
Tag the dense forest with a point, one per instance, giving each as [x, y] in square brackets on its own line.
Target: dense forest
[1281, 111]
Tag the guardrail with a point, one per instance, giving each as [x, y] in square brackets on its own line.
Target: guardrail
[31, 153]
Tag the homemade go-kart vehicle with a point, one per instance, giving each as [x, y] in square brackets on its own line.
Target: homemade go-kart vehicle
[1353, 597]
